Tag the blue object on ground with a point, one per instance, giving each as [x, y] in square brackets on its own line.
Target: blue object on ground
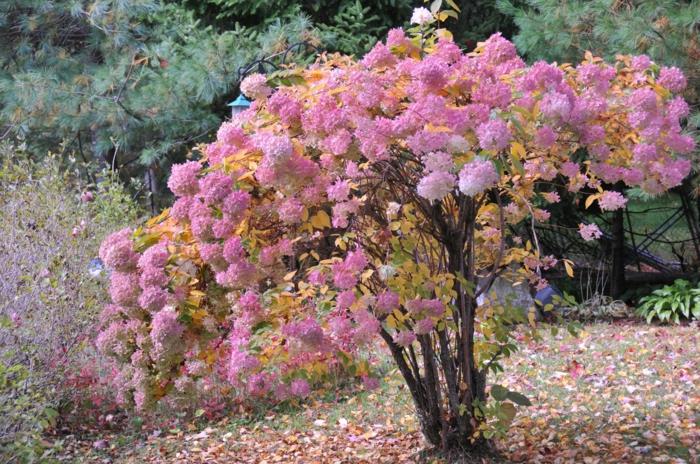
[547, 294]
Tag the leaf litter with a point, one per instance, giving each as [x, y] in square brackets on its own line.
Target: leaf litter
[618, 393]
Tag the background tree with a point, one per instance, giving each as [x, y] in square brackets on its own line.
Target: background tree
[348, 26]
[132, 84]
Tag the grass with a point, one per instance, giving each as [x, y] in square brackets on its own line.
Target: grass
[617, 393]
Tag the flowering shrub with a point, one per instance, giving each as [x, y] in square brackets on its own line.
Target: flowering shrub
[374, 198]
[49, 300]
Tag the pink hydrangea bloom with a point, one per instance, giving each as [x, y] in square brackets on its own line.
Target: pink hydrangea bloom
[236, 203]
[436, 185]
[166, 333]
[678, 108]
[680, 143]
[556, 106]
[493, 135]
[545, 137]
[117, 251]
[438, 161]
[339, 191]
[153, 299]
[255, 86]
[387, 301]
[113, 341]
[154, 257]
[551, 197]
[338, 142]
[345, 299]
[259, 384]
[181, 208]
[379, 56]
[290, 211]
[672, 78]
[153, 277]
[300, 388]
[124, 288]
[317, 277]
[231, 133]
[426, 141]
[432, 72]
[308, 332]
[233, 250]
[610, 201]
[434, 307]
[240, 362]
[346, 273]
[183, 179]
[498, 50]
[404, 338]
[589, 232]
[640, 62]
[215, 187]
[277, 149]
[367, 326]
[284, 106]
[212, 253]
[424, 326]
[476, 176]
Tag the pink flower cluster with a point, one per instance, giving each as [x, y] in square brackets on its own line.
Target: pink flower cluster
[476, 176]
[346, 273]
[255, 86]
[589, 232]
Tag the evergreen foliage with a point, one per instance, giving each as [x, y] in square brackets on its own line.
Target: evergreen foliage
[130, 82]
[348, 26]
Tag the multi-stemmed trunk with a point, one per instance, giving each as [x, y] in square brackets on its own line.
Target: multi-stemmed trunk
[443, 385]
[440, 369]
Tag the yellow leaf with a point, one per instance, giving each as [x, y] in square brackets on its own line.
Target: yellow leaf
[569, 268]
[433, 128]
[444, 34]
[453, 5]
[517, 150]
[155, 220]
[531, 316]
[246, 175]
[590, 200]
[289, 276]
[321, 220]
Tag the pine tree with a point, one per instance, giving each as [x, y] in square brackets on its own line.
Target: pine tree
[130, 83]
[347, 26]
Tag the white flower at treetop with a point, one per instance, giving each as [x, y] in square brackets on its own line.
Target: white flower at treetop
[421, 16]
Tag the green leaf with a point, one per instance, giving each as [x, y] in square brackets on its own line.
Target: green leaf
[519, 398]
[499, 392]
